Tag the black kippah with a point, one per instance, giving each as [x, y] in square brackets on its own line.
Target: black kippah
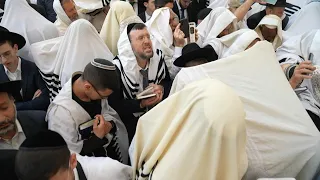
[130, 26]
[44, 140]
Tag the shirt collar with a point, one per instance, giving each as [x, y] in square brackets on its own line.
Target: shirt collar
[18, 68]
[19, 128]
[147, 66]
[147, 16]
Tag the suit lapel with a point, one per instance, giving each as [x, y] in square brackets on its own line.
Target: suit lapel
[3, 75]
[24, 77]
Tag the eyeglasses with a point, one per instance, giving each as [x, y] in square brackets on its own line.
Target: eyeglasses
[101, 96]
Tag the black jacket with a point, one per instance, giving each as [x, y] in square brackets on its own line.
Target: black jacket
[48, 6]
[31, 82]
[254, 20]
[143, 16]
[194, 8]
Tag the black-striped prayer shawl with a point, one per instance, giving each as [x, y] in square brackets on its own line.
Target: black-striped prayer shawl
[156, 72]
[53, 84]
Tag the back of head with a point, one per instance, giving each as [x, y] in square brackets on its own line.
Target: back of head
[204, 13]
[41, 156]
[102, 74]
[162, 3]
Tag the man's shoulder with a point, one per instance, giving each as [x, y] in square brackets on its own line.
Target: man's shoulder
[32, 121]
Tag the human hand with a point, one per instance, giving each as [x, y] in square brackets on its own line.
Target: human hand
[303, 71]
[178, 37]
[197, 36]
[37, 94]
[101, 127]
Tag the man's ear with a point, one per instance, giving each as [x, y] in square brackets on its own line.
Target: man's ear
[73, 161]
[145, 4]
[15, 48]
[268, 10]
[87, 86]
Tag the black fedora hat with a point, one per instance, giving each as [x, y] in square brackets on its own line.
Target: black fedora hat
[10, 87]
[15, 38]
[191, 52]
[279, 3]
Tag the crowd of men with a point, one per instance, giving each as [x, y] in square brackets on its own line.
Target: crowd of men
[99, 89]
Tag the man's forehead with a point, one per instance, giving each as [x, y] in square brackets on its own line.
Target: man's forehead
[4, 96]
[5, 47]
[139, 32]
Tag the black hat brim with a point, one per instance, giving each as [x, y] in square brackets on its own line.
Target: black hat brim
[11, 87]
[203, 53]
[13, 37]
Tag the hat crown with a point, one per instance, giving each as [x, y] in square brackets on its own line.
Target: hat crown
[279, 3]
[3, 29]
[190, 48]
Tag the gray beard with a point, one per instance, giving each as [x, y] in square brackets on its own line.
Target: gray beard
[12, 126]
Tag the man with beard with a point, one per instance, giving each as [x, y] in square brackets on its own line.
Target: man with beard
[16, 126]
[140, 68]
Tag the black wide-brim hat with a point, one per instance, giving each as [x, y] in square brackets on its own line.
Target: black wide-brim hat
[279, 3]
[11, 87]
[191, 52]
[6, 35]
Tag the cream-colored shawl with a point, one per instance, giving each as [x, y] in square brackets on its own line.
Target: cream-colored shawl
[272, 21]
[197, 134]
[119, 16]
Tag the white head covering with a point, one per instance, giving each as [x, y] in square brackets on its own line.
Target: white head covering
[119, 16]
[237, 42]
[91, 5]
[198, 133]
[271, 21]
[71, 53]
[61, 14]
[160, 30]
[130, 70]
[21, 18]
[214, 24]
[282, 139]
[213, 4]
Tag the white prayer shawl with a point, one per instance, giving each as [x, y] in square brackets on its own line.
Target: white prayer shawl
[162, 37]
[119, 16]
[282, 140]
[306, 19]
[44, 54]
[275, 22]
[130, 70]
[60, 60]
[213, 4]
[63, 21]
[214, 24]
[21, 18]
[96, 168]
[198, 133]
[237, 42]
[296, 50]
[65, 115]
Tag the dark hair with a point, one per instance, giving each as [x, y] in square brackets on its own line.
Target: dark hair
[41, 164]
[2, 3]
[101, 79]
[135, 26]
[162, 3]
[6, 41]
[204, 13]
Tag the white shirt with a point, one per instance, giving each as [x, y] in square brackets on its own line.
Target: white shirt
[16, 141]
[185, 11]
[147, 16]
[15, 75]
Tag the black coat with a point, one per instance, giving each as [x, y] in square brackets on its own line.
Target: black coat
[31, 82]
[194, 8]
[254, 20]
[143, 16]
[48, 6]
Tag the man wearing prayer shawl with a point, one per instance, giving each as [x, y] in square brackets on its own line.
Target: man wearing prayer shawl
[282, 140]
[276, 9]
[66, 13]
[140, 68]
[270, 29]
[57, 60]
[192, 135]
[81, 114]
[166, 35]
[302, 70]
[31, 25]
[233, 43]
[305, 20]
[16, 126]
[119, 16]
[46, 156]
